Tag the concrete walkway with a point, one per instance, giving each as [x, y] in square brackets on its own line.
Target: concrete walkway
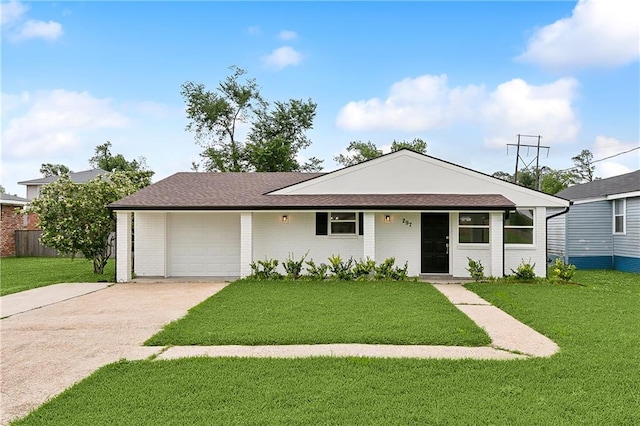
[510, 339]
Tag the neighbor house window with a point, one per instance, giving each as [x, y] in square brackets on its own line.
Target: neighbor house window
[343, 223]
[619, 207]
[518, 228]
[473, 228]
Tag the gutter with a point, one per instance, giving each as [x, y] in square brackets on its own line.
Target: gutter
[546, 231]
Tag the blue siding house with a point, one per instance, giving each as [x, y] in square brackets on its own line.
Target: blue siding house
[602, 228]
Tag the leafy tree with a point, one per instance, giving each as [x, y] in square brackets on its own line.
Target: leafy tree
[2, 190]
[48, 169]
[74, 216]
[276, 135]
[105, 160]
[503, 175]
[554, 181]
[584, 168]
[359, 151]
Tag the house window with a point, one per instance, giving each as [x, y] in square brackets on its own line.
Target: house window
[473, 228]
[343, 223]
[619, 208]
[518, 228]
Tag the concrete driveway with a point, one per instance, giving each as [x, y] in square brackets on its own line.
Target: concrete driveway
[46, 350]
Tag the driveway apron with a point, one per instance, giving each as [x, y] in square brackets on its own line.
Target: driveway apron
[46, 350]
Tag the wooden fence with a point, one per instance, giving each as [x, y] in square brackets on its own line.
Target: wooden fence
[28, 244]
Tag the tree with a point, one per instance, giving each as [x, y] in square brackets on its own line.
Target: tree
[105, 160]
[2, 190]
[278, 135]
[359, 151]
[275, 137]
[74, 216]
[584, 168]
[48, 169]
[503, 175]
[554, 181]
[214, 117]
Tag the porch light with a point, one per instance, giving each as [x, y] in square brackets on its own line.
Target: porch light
[285, 218]
[387, 219]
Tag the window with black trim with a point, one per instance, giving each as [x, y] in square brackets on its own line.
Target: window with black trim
[518, 227]
[619, 207]
[343, 223]
[473, 228]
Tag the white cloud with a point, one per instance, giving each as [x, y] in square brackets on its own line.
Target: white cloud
[55, 121]
[428, 102]
[516, 107]
[287, 35]
[600, 33]
[11, 12]
[283, 57]
[604, 147]
[413, 104]
[17, 29]
[254, 30]
[38, 29]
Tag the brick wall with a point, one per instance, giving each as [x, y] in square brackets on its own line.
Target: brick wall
[9, 222]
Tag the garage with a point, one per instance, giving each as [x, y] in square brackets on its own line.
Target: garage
[203, 244]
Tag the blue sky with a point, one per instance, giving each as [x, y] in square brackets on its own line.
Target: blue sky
[464, 76]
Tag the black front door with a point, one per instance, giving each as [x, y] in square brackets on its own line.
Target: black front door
[435, 243]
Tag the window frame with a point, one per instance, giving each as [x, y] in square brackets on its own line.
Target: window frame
[532, 227]
[623, 215]
[487, 227]
[331, 221]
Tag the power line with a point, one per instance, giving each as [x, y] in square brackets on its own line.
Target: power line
[605, 158]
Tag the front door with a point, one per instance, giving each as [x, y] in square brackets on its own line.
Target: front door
[435, 243]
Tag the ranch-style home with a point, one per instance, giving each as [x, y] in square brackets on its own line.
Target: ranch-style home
[416, 208]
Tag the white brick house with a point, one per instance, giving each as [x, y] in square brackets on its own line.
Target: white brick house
[416, 208]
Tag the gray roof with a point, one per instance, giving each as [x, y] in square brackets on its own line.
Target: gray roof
[79, 177]
[629, 182]
[250, 191]
[12, 199]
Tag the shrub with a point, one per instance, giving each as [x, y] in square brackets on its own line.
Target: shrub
[293, 267]
[341, 269]
[318, 272]
[525, 271]
[265, 270]
[476, 270]
[363, 269]
[562, 271]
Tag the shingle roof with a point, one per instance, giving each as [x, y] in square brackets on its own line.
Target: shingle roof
[12, 199]
[629, 182]
[79, 177]
[248, 191]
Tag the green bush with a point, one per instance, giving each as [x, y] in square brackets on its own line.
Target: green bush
[562, 271]
[316, 272]
[476, 270]
[265, 270]
[363, 269]
[293, 267]
[525, 271]
[341, 269]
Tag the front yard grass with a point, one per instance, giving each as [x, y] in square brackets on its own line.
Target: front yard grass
[24, 273]
[593, 380]
[303, 312]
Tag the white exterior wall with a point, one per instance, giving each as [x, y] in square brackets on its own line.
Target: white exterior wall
[397, 239]
[369, 237]
[150, 244]
[275, 239]
[459, 252]
[123, 247]
[536, 253]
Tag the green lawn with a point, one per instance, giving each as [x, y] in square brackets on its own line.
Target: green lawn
[299, 312]
[593, 380]
[24, 273]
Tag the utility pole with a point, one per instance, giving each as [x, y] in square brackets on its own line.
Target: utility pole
[527, 165]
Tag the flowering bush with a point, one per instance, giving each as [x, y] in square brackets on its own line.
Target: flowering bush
[562, 271]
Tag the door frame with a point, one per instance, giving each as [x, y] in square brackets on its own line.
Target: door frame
[448, 239]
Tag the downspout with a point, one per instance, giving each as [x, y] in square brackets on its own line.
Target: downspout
[505, 216]
[546, 232]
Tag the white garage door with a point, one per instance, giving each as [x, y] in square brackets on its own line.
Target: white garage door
[203, 244]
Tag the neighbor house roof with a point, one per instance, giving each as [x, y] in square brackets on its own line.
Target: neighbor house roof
[629, 182]
[12, 200]
[79, 177]
[250, 191]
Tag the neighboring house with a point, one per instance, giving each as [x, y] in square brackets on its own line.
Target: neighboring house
[415, 208]
[34, 185]
[602, 229]
[11, 220]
